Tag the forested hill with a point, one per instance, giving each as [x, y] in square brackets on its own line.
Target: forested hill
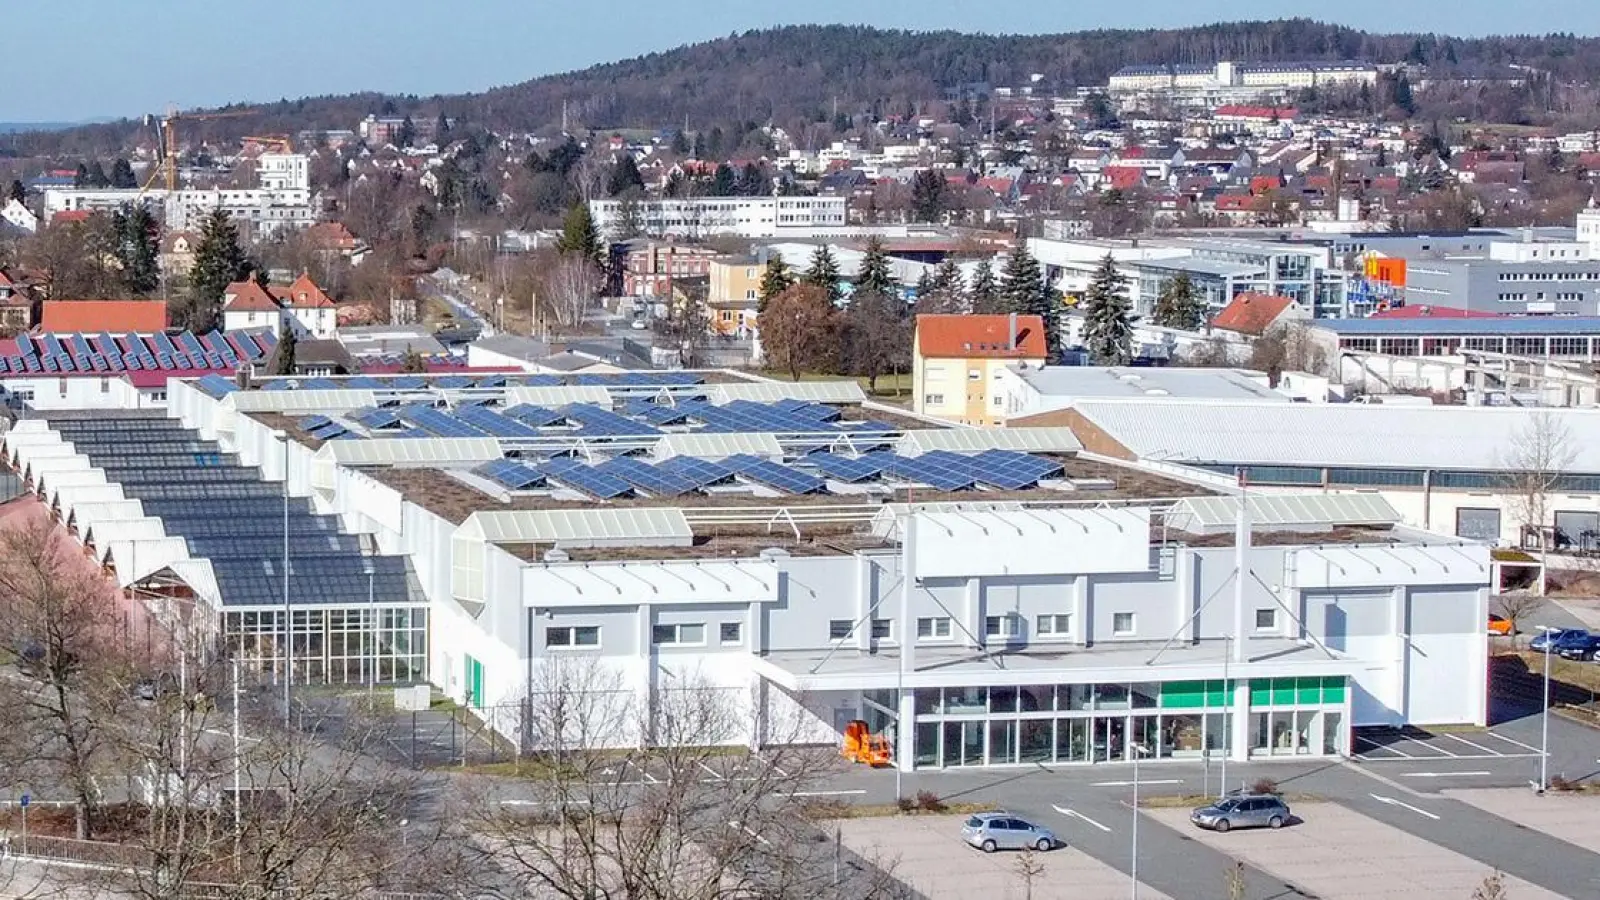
[786, 75]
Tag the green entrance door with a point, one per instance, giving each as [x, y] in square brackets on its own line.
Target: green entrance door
[474, 682]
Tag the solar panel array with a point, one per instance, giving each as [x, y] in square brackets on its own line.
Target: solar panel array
[106, 354]
[455, 381]
[227, 514]
[511, 474]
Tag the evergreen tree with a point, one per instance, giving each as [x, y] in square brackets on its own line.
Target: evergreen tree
[947, 277]
[1107, 329]
[1180, 305]
[122, 174]
[724, 183]
[441, 129]
[80, 178]
[680, 144]
[96, 175]
[283, 359]
[699, 146]
[752, 183]
[1021, 282]
[624, 176]
[218, 262]
[774, 280]
[579, 236]
[928, 200]
[677, 185]
[17, 192]
[983, 296]
[875, 276]
[407, 133]
[413, 363]
[824, 273]
[137, 244]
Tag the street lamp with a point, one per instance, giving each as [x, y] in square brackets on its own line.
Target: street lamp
[288, 616]
[1138, 751]
[1544, 713]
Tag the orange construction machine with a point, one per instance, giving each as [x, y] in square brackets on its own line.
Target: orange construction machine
[860, 746]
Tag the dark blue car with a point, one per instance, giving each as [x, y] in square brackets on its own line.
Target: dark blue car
[1578, 645]
[1543, 641]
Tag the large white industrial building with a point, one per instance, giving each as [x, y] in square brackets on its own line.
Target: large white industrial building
[282, 199]
[702, 217]
[809, 558]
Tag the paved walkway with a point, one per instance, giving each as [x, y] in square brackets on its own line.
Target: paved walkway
[1337, 854]
[1574, 818]
[927, 853]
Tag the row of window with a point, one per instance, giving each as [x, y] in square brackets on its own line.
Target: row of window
[684, 634]
[1549, 276]
[1522, 296]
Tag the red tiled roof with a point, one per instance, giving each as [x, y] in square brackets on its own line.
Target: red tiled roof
[1123, 176]
[247, 296]
[68, 216]
[304, 294]
[1238, 202]
[117, 316]
[1428, 311]
[974, 337]
[1284, 113]
[1251, 313]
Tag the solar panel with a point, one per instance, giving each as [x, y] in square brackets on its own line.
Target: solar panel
[1011, 469]
[846, 468]
[774, 474]
[494, 423]
[376, 418]
[452, 382]
[510, 473]
[433, 421]
[329, 431]
[642, 475]
[932, 472]
[320, 384]
[597, 422]
[190, 345]
[408, 383]
[702, 472]
[311, 423]
[576, 475]
[534, 416]
[25, 345]
[492, 381]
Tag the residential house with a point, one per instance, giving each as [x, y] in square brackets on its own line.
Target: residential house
[177, 252]
[302, 306]
[310, 310]
[1253, 315]
[16, 306]
[650, 267]
[246, 304]
[335, 238]
[957, 359]
[734, 282]
[18, 216]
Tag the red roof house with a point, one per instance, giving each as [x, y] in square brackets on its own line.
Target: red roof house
[116, 316]
[1254, 314]
[980, 337]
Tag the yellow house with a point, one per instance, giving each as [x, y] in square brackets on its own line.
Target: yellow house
[735, 290]
[955, 360]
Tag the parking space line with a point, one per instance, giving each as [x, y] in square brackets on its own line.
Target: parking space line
[714, 773]
[1472, 744]
[1513, 741]
[1385, 747]
[1436, 749]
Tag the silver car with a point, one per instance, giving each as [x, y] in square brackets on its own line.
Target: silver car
[993, 831]
[1242, 811]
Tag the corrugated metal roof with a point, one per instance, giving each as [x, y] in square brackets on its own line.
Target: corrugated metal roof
[1210, 515]
[645, 526]
[719, 445]
[1499, 325]
[1355, 435]
[558, 395]
[300, 401]
[977, 440]
[411, 451]
[770, 391]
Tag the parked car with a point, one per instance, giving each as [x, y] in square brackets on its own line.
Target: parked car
[993, 831]
[1500, 625]
[1547, 637]
[1578, 645]
[1242, 811]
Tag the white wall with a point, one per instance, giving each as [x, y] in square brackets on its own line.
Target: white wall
[81, 392]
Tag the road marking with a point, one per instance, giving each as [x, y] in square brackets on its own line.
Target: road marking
[1513, 741]
[736, 824]
[1440, 774]
[1393, 802]
[1140, 781]
[1074, 814]
[717, 776]
[1473, 744]
[572, 802]
[828, 793]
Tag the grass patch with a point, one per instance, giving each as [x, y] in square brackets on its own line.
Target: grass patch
[1585, 675]
[838, 810]
[1190, 801]
[1456, 729]
[889, 386]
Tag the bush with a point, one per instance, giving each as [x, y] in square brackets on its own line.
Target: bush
[905, 803]
[1562, 784]
[928, 801]
[1264, 786]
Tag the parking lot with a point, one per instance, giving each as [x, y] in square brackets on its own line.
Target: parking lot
[1337, 854]
[1395, 744]
[927, 853]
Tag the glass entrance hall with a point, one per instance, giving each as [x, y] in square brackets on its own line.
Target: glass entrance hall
[1090, 723]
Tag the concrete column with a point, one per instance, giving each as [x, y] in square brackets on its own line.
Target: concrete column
[907, 630]
[1240, 751]
[1184, 595]
[1402, 638]
[863, 634]
[1082, 611]
[905, 732]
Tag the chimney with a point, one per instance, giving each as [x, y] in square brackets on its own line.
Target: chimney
[1011, 332]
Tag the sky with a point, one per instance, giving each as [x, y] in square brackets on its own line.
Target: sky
[129, 57]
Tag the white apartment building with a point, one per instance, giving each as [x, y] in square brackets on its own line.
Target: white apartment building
[283, 199]
[748, 217]
[1229, 74]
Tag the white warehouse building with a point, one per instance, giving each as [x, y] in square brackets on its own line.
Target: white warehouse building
[701, 217]
[980, 597]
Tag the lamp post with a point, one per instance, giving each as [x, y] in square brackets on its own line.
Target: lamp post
[1544, 713]
[288, 615]
[1133, 873]
[1227, 707]
[372, 614]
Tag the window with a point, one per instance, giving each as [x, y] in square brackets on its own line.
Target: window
[1122, 623]
[933, 627]
[669, 635]
[1000, 626]
[933, 400]
[882, 629]
[572, 636]
[974, 374]
[731, 632]
[1053, 625]
[1266, 619]
[839, 629]
[1478, 524]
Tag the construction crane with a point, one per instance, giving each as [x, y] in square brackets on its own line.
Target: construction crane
[166, 128]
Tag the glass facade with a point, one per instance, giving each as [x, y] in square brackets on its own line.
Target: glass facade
[1090, 723]
[334, 646]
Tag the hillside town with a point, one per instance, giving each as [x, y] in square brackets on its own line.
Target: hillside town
[404, 508]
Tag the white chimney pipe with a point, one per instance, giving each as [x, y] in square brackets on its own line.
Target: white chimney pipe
[1011, 331]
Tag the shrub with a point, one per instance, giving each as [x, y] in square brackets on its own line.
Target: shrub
[928, 801]
[1264, 786]
[905, 803]
[1561, 783]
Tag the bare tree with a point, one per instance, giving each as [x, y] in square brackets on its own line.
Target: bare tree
[1540, 451]
[1212, 353]
[567, 292]
[1029, 868]
[877, 334]
[1516, 607]
[1288, 348]
[647, 799]
[798, 329]
[1233, 881]
[60, 622]
[686, 328]
[1492, 888]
